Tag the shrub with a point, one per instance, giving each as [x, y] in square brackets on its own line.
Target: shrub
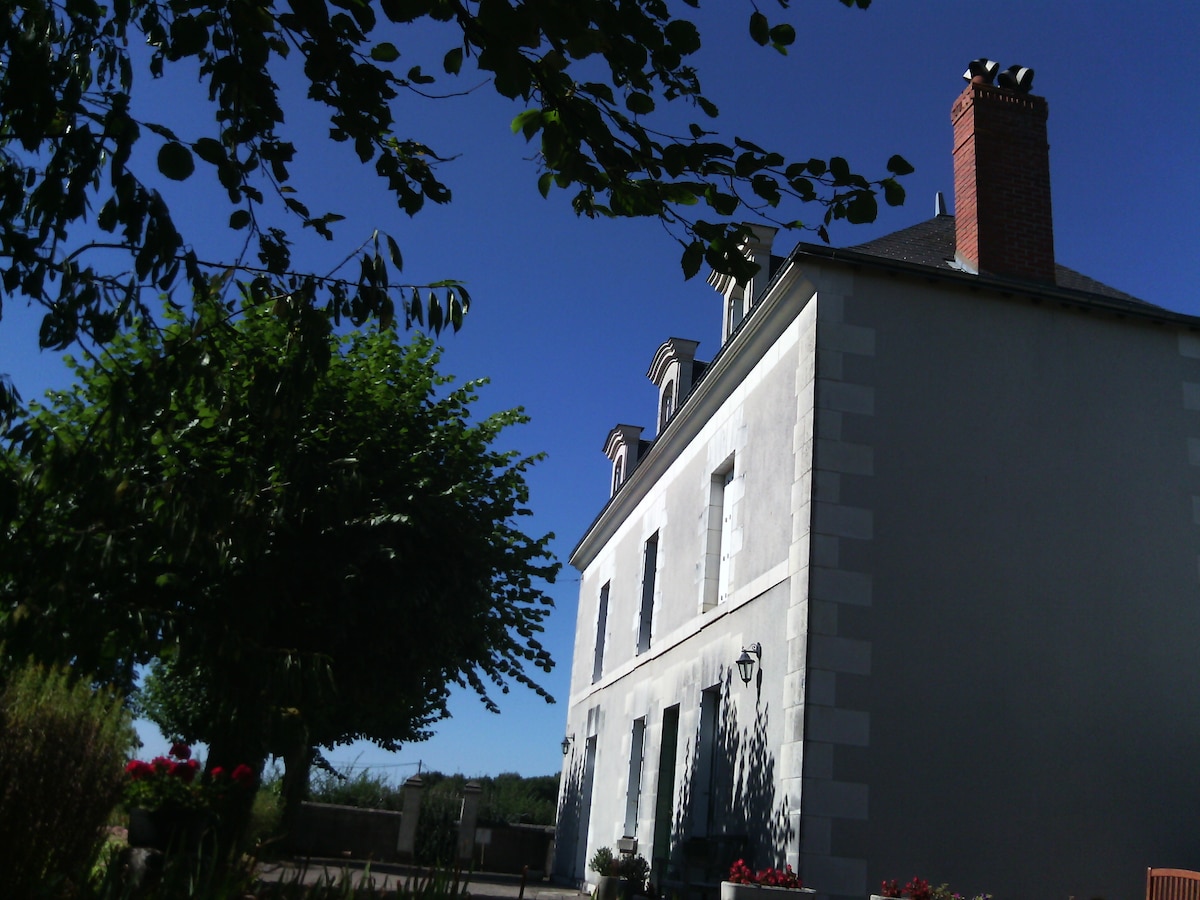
[62, 749]
[603, 862]
[635, 870]
[263, 826]
[364, 790]
[437, 831]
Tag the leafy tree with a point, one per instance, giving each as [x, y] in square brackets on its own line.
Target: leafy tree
[307, 531]
[599, 81]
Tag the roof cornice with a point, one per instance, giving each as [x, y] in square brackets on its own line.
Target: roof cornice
[1005, 286]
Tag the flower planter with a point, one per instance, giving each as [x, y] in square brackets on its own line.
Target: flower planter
[732, 891]
[608, 888]
[163, 829]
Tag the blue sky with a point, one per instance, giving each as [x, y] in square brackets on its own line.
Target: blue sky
[568, 313]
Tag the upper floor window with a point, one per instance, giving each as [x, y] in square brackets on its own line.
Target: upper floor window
[649, 574]
[601, 632]
[718, 535]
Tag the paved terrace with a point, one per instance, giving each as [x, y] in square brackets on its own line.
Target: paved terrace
[390, 877]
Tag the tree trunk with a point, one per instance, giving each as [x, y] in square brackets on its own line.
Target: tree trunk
[297, 765]
[230, 748]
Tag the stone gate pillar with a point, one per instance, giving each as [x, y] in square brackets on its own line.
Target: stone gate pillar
[466, 821]
[410, 807]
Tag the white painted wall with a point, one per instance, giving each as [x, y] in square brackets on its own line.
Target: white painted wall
[693, 649]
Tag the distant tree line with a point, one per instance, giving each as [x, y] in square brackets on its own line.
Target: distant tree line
[507, 798]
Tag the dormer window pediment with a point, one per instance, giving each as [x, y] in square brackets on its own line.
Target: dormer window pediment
[740, 298]
[673, 371]
[624, 447]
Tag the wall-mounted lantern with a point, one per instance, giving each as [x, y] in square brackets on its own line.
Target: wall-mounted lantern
[745, 663]
[566, 743]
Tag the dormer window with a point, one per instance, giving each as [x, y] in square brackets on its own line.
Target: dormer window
[736, 311]
[667, 407]
[740, 299]
[674, 371]
[624, 447]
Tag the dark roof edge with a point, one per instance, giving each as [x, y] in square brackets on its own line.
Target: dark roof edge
[1031, 289]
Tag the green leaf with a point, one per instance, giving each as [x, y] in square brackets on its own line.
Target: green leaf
[175, 161]
[722, 204]
[683, 36]
[209, 150]
[188, 36]
[760, 28]
[452, 61]
[862, 208]
[394, 253]
[898, 165]
[766, 187]
[435, 313]
[639, 104]
[239, 219]
[783, 36]
[385, 52]
[528, 122]
[893, 192]
[693, 256]
[416, 76]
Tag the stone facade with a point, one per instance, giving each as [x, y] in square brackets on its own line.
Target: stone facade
[960, 517]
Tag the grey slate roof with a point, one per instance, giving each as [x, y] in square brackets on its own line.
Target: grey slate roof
[931, 243]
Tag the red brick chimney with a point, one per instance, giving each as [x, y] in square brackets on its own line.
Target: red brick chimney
[1002, 218]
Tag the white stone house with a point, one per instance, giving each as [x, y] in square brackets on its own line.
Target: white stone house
[951, 490]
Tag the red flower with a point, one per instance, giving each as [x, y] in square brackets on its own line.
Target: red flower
[243, 775]
[740, 873]
[918, 889]
[138, 770]
[180, 750]
[217, 773]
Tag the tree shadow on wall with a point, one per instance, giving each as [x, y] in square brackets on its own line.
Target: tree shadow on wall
[571, 823]
[730, 803]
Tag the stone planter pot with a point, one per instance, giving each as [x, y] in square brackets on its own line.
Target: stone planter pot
[608, 888]
[173, 829]
[732, 891]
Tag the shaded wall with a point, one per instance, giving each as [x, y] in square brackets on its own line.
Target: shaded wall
[1032, 600]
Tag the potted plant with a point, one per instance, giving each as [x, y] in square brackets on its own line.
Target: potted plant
[920, 889]
[171, 805]
[634, 872]
[745, 883]
[604, 864]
